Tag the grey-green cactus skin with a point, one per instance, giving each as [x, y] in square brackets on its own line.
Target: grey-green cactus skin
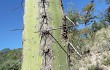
[35, 43]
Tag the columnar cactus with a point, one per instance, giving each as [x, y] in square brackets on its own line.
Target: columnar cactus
[40, 50]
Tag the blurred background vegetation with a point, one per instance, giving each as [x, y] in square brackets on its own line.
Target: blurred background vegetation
[10, 59]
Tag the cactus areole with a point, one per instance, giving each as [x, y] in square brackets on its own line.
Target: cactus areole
[40, 50]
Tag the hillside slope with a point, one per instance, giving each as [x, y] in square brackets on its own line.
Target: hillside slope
[10, 59]
[98, 55]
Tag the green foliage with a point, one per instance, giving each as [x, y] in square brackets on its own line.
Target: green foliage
[107, 61]
[9, 59]
[5, 50]
[107, 15]
[97, 26]
[92, 67]
[88, 16]
[74, 16]
[74, 37]
[11, 65]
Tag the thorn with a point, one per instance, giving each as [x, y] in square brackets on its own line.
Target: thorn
[16, 29]
[70, 20]
[75, 49]
[21, 4]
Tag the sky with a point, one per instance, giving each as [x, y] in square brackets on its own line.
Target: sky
[13, 19]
